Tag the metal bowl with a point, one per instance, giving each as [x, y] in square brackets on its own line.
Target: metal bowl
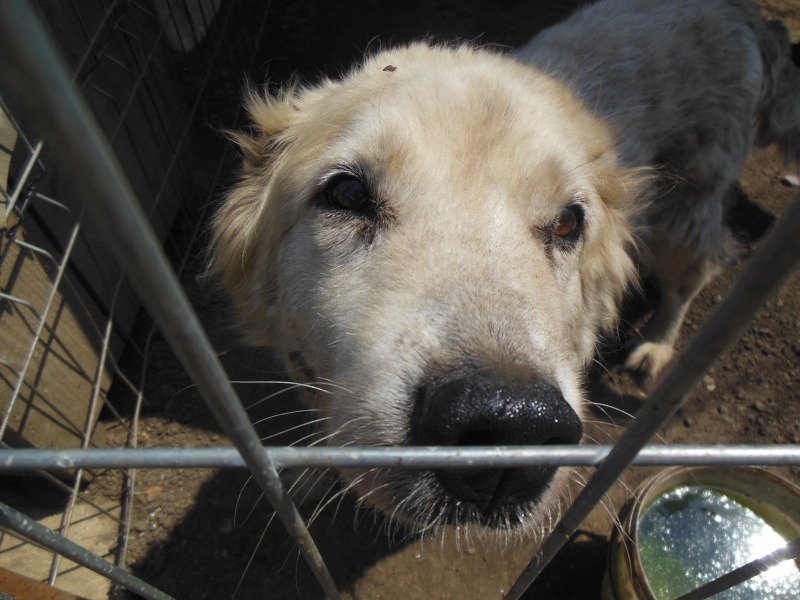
[687, 526]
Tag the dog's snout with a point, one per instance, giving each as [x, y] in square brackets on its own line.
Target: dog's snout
[479, 410]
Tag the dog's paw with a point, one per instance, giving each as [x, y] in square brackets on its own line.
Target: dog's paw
[646, 360]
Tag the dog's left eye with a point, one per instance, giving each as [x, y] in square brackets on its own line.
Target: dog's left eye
[347, 193]
[567, 227]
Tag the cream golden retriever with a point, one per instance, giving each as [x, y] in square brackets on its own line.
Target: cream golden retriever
[439, 238]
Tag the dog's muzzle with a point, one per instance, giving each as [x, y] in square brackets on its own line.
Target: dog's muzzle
[479, 410]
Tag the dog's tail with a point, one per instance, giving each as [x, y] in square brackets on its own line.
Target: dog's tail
[779, 110]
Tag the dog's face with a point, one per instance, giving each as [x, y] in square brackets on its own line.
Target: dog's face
[440, 237]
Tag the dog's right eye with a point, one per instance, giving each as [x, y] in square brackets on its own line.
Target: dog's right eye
[568, 226]
[349, 205]
[347, 193]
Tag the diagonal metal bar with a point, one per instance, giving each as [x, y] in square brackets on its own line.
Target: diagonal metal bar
[765, 271]
[752, 569]
[33, 69]
[30, 529]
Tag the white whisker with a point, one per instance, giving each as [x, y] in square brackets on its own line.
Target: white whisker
[294, 428]
[252, 556]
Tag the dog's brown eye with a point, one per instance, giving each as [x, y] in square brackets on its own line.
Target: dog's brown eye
[347, 193]
[567, 226]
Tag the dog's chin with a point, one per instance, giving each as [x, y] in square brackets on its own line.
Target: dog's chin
[419, 504]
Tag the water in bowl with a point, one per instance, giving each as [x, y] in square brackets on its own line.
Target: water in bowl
[694, 534]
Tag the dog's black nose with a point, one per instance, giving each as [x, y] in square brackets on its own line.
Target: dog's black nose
[478, 410]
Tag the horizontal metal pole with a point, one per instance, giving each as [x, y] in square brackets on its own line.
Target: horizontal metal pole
[30, 529]
[401, 458]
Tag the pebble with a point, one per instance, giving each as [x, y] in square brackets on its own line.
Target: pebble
[791, 179]
[142, 525]
[152, 493]
[709, 382]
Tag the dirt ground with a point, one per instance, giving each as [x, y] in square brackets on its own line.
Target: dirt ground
[201, 533]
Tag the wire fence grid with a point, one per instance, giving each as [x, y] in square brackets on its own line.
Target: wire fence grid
[102, 105]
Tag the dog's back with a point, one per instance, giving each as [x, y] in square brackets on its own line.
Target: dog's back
[643, 63]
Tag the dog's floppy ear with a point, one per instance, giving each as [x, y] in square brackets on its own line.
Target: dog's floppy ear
[610, 268]
[244, 242]
[271, 118]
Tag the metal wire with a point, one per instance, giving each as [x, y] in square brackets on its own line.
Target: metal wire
[42, 322]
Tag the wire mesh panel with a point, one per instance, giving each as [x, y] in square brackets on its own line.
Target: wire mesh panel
[84, 369]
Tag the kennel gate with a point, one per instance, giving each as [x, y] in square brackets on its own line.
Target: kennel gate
[150, 75]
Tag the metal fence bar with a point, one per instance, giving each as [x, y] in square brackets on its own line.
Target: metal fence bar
[30, 529]
[752, 569]
[68, 489]
[398, 457]
[77, 476]
[13, 198]
[762, 276]
[33, 69]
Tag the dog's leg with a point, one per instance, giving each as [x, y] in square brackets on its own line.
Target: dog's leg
[680, 275]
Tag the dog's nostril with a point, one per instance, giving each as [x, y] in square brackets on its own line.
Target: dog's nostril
[556, 441]
[478, 410]
[481, 410]
[477, 438]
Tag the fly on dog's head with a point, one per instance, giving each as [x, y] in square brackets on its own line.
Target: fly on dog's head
[440, 244]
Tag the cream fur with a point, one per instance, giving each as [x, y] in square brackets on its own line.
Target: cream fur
[470, 156]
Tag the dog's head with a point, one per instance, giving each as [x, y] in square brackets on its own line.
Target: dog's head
[440, 236]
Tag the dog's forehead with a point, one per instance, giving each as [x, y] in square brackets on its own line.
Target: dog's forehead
[469, 121]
